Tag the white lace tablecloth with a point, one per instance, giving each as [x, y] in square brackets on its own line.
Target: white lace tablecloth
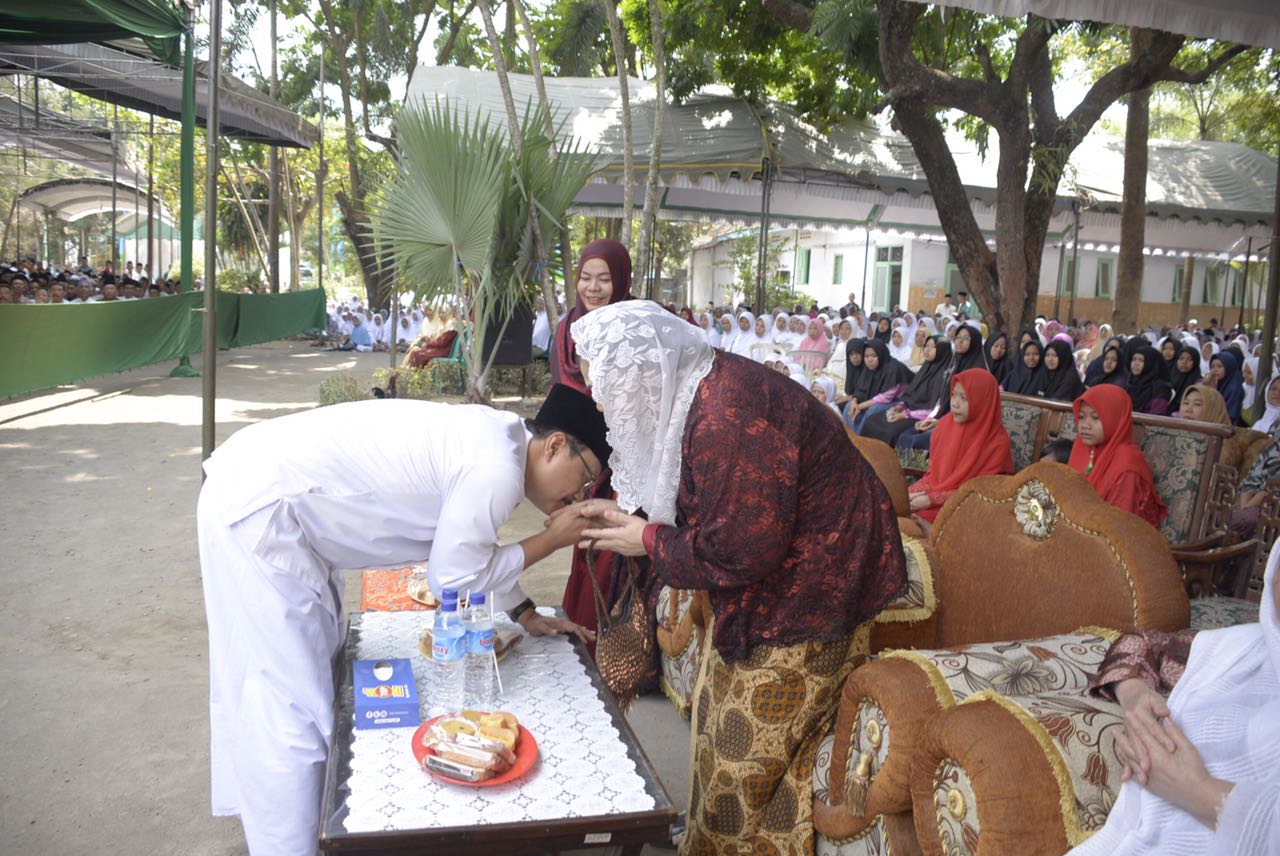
[583, 769]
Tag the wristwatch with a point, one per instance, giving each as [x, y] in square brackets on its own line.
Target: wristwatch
[520, 609]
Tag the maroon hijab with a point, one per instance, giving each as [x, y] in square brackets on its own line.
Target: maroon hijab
[564, 357]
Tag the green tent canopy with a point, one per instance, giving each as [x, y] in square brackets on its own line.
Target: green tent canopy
[159, 23]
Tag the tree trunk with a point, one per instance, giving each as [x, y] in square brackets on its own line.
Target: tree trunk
[535, 62]
[1133, 210]
[1011, 196]
[648, 220]
[628, 152]
[1188, 275]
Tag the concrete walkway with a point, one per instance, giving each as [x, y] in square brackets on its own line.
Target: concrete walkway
[102, 625]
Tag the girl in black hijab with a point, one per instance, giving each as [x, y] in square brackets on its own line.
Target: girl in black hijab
[1027, 375]
[883, 329]
[923, 398]
[1186, 372]
[1062, 381]
[853, 369]
[884, 377]
[1093, 375]
[998, 360]
[967, 351]
[1108, 366]
[1146, 385]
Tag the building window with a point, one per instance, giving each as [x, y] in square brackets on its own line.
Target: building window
[1179, 271]
[1102, 281]
[802, 266]
[888, 279]
[1067, 276]
[1212, 283]
[837, 270]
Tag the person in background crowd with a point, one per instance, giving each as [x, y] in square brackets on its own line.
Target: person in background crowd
[1186, 373]
[969, 441]
[885, 379]
[1224, 376]
[1027, 376]
[924, 400]
[998, 360]
[945, 309]
[541, 331]
[1146, 386]
[966, 306]
[1061, 380]
[1104, 452]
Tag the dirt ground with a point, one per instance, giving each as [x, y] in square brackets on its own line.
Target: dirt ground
[105, 707]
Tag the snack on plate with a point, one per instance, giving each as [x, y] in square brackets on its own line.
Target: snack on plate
[472, 745]
[419, 590]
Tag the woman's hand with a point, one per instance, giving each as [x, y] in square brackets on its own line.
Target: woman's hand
[926, 425]
[621, 533]
[1178, 776]
[1144, 708]
[896, 413]
[920, 501]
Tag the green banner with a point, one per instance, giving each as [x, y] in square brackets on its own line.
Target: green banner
[45, 346]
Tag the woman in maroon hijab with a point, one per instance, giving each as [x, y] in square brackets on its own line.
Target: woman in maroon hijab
[604, 277]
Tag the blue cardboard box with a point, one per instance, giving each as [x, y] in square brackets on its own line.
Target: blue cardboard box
[386, 695]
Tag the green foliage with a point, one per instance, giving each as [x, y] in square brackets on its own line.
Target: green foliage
[778, 290]
[425, 384]
[340, 388]
[574, 39]
[456, 217]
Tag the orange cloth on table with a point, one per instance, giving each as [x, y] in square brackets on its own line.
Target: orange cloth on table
[960, 451]
[384, 590]
[1120, 474]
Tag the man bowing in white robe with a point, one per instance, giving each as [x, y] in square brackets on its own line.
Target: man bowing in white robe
[290, 502]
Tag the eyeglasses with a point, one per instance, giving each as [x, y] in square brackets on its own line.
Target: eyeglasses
[591, 480]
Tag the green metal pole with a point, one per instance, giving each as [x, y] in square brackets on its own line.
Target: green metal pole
[209, 387]
[187, 179]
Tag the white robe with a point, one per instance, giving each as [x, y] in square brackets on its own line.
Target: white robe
[542, 331]
[290, 502]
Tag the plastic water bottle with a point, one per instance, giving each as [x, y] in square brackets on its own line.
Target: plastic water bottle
[479, 693]
[448, 647]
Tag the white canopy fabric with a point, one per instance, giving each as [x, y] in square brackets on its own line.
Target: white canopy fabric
[1202, 197]
[140, 83]
[1246, 22]
[73, 199]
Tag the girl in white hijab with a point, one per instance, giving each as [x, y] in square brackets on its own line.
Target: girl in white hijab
[824, 389]
[1211, 781]
[728, 332]
[1249, 373]
[759, 340]
[708, 324]
[780, 330]
[1269, 418]
[899, 345]
[745, 337]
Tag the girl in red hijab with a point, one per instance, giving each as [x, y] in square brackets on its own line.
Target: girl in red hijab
[970, 441]
[1105, 453]
[604, 277]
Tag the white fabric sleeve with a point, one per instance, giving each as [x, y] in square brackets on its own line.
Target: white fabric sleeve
[1249, 821]
[464, 553]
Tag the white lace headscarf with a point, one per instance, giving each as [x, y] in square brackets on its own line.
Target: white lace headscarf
[645, 365]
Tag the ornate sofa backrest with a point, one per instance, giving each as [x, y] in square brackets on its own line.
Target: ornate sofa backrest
[1039, 553]
[1181, 454]
[887, 466]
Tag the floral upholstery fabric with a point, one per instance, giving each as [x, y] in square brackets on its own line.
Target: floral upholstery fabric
[956, 809]
[1212, 613]
[1077, 734]
[1026, 667]
[917, 600]
[679, 669]
[1022, 421]
[1177, 460]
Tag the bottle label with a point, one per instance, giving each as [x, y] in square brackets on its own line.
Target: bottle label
[446, 648]
[480, 641]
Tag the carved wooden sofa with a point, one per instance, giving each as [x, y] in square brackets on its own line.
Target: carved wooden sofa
[1026, 557]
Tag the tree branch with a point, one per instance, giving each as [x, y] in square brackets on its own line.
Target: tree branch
[791, 14]
[988, 67]
[1178, 75]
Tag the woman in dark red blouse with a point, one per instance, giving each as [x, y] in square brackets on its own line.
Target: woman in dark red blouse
[753, 493]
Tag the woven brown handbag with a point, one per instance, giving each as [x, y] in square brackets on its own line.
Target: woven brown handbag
[624, 643]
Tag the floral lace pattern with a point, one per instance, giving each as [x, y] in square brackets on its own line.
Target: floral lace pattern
[645, 366]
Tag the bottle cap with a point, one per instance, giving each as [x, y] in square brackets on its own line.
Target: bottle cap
[449, 600]
[476, 598]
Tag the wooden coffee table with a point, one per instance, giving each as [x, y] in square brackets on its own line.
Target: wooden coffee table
[592, 786]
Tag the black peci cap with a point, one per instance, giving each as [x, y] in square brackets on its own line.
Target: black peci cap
[574, 413]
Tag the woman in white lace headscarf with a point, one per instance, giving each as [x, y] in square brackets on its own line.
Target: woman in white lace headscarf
[1202, 771]
[747, 481]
